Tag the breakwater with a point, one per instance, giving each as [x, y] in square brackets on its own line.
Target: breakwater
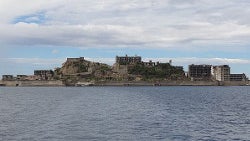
[32, 83]
[125, 83]
[173, 83]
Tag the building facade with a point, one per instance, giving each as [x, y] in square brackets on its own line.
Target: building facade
[238, 77]
[75, 59]
[126, 60]
[21, 77]
[199, 72]
[149, 64]
[7, 77]
[221, 73]
[44, 74]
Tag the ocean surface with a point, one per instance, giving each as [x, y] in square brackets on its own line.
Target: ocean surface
[125, 113]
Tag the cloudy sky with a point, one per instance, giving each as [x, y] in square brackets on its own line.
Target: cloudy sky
[41, 34]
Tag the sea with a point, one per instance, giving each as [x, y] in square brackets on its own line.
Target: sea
[152, 113]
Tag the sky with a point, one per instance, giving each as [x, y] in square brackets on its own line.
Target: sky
[41, 34]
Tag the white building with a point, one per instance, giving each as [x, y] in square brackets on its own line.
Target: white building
[221, 73]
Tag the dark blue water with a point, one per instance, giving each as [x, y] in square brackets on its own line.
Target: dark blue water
[125, 113]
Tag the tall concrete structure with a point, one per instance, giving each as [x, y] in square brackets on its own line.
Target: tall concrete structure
[126, 60]
[200, 72]
[75, 59]
[44, 74]
[221, 73]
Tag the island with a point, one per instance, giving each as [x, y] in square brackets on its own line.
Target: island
[128, 71]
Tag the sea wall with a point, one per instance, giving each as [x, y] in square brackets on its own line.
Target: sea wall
[162, 83]
[172, 83]
[32, 83]
[128, 83]
[234, 83]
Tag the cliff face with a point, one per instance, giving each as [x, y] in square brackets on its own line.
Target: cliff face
[84, 67]
[74, 67]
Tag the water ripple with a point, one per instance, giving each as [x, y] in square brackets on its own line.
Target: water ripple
[125, 113]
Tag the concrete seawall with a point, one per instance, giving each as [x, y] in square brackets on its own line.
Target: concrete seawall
[172, 83]
[32, 83]
[127, 83]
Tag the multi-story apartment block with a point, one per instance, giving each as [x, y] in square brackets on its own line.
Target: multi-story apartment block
[126, 60]
[199, 72]
[238, 77]
[7, 77]
[44, 74]
[221, 73]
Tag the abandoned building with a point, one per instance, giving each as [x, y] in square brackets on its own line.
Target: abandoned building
[7, 77]
[44, 74]
[199, 72]
[75, 59]
[150, 63]
[125, 60]
[21, 77]
[221, 73]
[238, 77]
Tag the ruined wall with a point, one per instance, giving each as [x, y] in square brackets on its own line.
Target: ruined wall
[33, 83]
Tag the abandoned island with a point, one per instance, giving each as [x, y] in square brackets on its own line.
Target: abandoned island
[128, 71]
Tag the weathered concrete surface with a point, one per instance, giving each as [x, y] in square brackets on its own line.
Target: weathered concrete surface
[129, 83]
[234, 83]
[171, 83]
[162, 83]
[32, 83]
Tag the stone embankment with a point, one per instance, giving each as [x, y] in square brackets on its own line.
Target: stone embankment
[172, 83]
[32, 83]
[125, 83]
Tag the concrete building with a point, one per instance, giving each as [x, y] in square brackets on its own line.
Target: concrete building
[44, 74]
[126, 60]
[199, 72]
[179, 68]
[238, 77]
[7, 77]
[75, 59]
[149, 64]
[221, 73]
[21, 77]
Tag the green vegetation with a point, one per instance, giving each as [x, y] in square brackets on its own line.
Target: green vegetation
[160, 71]
[81, 67]
[85, 71]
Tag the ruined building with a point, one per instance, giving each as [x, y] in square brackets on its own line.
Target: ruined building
[199, 72]
[126, 60]
[221, 73]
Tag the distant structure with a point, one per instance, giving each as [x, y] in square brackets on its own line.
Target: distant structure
[221, 73]
[44, 74]
[150, 63]
[21, 77]
[238, 77]
[126, 60]
[7, 77]
[75, 59]
[199, 72]
[179, 68]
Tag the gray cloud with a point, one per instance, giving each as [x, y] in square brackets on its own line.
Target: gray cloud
[110, 23]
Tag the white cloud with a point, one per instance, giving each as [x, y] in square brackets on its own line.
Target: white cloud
[32, 61]
[112, 23]
[110, 61]
[55, 51]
